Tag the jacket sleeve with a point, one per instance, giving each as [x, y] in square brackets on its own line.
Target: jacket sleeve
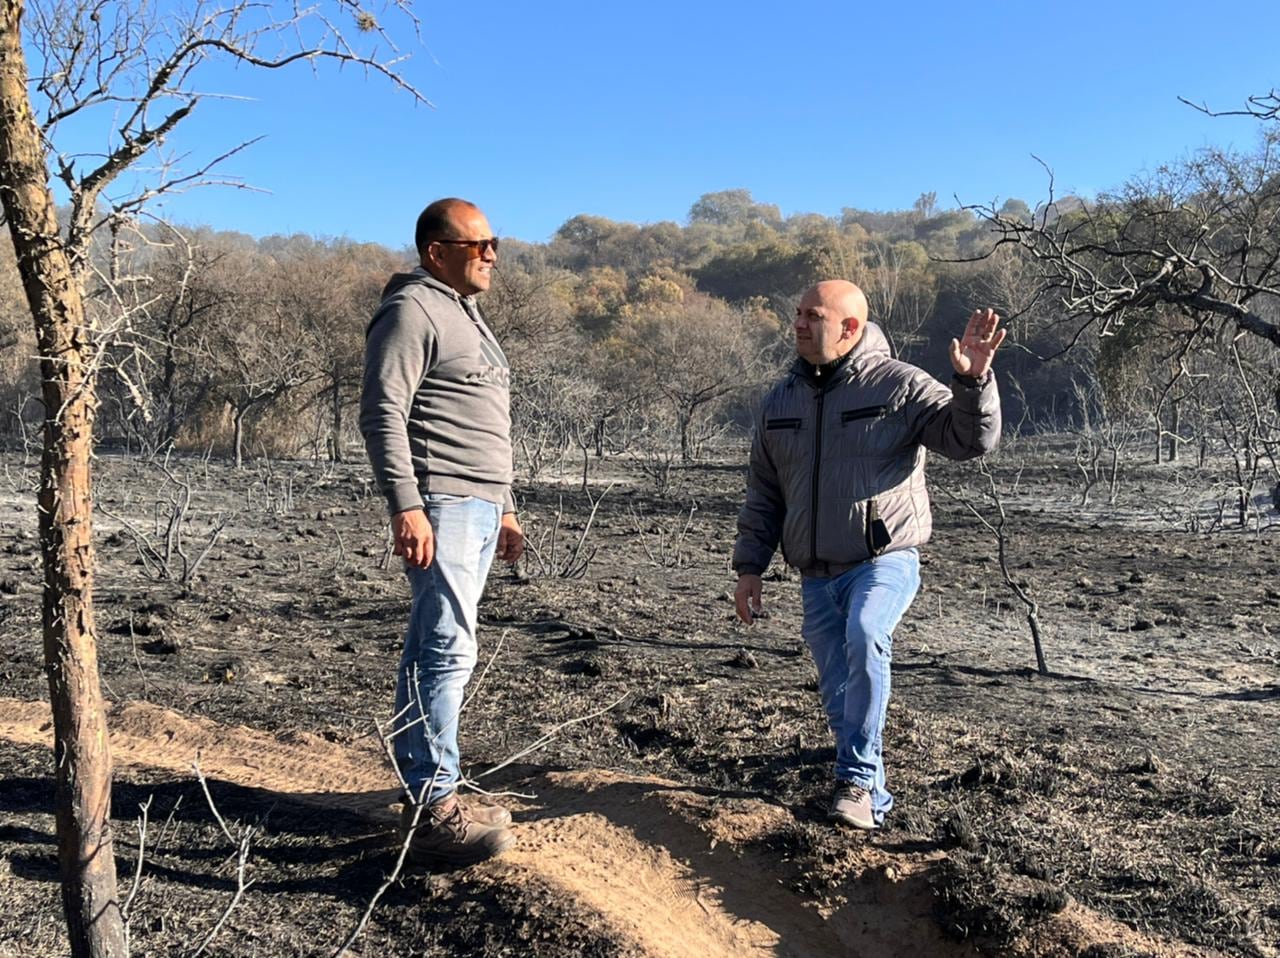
[760, 520]
[399, 349]
[962, 422]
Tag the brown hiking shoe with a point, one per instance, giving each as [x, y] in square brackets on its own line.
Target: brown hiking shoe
[478, 810]
[447, 834]
[851, 805]
[486, 813]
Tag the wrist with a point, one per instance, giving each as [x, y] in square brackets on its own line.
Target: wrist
[973, 381]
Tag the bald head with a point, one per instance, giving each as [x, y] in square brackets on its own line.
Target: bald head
[840, 295]
[829, 320]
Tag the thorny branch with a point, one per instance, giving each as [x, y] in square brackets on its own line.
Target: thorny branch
[126, 909]
[135, 66]
[554, 731]
[1202, 235]
[243, 845]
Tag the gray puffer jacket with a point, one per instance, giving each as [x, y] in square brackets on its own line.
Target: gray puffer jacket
[837, 461]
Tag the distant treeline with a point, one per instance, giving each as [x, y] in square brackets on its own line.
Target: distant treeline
[650, 339]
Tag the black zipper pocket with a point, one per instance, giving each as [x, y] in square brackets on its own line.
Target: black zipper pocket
[783, 424]
[869, 412]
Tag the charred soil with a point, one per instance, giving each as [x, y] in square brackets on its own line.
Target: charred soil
[1125, 804]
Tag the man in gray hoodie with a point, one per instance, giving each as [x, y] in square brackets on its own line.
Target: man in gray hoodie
[837, 479]
[435, 415]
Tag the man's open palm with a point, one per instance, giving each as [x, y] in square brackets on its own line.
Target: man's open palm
[971, 355]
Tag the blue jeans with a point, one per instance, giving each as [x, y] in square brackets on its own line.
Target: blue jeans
[440, 642]
[848, 626]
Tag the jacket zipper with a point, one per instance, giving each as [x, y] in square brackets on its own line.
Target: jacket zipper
[817, 468]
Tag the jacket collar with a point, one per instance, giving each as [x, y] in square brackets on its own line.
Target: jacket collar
[872, 347]
[821, 376]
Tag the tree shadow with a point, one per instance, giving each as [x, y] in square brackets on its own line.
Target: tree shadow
[319, 843]
[1266, 693]
[950, 672]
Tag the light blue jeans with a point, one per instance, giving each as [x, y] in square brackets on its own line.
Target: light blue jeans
[440, 642]
[848, 626]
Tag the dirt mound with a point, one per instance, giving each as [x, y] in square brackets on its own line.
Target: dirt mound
[668, 868]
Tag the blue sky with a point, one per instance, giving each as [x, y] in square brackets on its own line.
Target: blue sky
[631, 111]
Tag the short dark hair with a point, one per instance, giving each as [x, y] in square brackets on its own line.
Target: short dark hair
[434, 222]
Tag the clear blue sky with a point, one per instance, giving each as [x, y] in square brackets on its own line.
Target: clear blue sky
[631, 111]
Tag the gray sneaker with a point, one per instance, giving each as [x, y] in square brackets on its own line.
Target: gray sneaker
[851, 805]
[447, 834]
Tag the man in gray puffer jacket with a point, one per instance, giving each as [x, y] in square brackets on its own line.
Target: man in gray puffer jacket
[837, 479]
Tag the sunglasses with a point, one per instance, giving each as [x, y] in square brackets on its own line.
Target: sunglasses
[475, 248]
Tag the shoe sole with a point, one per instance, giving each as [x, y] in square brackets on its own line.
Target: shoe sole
[437, 859]
[863, 825]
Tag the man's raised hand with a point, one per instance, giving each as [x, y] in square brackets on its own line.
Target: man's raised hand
[972, 354]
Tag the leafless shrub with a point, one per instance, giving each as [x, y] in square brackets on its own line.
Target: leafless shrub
[1102, 441]
[656, 463]
[544, 545]
[126, 910]
[541, 419]
[655, 450]
[663, 541]
[24, 433]
[270, 491]
[167, 552]
[20, 481]
[992, 493]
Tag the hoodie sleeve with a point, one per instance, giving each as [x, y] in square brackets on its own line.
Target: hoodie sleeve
[400, 348]
[962, 422]
[760, 520]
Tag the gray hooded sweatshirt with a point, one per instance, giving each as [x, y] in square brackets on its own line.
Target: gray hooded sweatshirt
[837, 461]
[435, 410]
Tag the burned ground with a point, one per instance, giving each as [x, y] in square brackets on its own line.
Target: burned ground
[1127, 803]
